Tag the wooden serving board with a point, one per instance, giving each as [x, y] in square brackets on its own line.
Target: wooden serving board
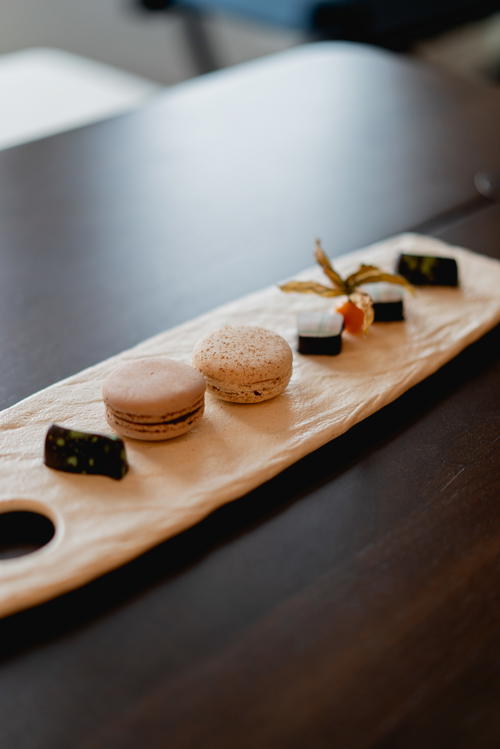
[101, 523]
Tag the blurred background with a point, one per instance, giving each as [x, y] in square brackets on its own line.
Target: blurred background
[139, 46]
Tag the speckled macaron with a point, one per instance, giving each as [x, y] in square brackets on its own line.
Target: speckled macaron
[153, 399]
[244, 364]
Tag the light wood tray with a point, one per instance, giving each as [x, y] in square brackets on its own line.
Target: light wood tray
[101, 523]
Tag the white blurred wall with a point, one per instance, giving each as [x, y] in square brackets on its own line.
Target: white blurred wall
[154, 46]
[113, 31]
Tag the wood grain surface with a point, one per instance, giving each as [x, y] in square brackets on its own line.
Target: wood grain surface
[353, 600]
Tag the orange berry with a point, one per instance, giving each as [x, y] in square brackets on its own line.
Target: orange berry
[354, 317]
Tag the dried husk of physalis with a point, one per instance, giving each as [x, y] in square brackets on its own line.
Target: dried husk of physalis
[346, 287]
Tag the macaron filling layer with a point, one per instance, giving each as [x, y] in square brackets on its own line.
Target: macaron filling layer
[138, 420]
[253, 391]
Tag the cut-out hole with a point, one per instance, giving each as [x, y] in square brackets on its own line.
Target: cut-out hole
[23, 532]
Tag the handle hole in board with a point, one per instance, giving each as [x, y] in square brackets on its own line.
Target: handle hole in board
[23, 532]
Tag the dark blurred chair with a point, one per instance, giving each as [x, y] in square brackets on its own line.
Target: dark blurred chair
[394, 24]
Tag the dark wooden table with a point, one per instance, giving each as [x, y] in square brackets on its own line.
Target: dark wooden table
[353, 601]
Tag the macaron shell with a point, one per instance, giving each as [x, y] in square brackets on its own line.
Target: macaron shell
[243, 355]
[154, 399]
[152, 387]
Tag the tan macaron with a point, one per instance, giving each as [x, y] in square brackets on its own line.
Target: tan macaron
[244, 364]
[153, 399]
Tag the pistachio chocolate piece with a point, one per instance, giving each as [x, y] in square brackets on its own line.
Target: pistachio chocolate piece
[427, 270]
[83, 452]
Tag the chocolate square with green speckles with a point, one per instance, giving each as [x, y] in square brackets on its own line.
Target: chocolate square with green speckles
[427, 270]
[84, 452]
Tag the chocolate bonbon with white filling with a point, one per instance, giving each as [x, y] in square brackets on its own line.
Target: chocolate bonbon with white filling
[387, 301]
[319, 332]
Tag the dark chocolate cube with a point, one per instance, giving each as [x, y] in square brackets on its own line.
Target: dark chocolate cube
[327, 346]
[83, 452]
[388, 311]
[426, 270]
